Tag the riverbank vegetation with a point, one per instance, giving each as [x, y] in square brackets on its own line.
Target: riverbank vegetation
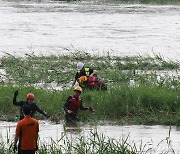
[94, 143]
[141, 90]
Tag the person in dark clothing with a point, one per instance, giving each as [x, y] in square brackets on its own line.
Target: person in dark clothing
[83, 71]
[29, 102]
[87, 78]
[73, 104]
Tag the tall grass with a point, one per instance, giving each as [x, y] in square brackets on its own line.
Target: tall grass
[136, 91]
[94, 143]
[6, 144]
[50, 101]
[145, 104]
[113, 69]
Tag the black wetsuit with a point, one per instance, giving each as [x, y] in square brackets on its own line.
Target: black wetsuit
[33, 107]
[83, 73]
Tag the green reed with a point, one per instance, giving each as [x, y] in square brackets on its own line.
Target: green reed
[32, 69]
[93, 143]
[137, 91]
[147, 104]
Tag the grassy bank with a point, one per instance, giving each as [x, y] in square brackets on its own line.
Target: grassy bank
[141, 90]
[134, 105]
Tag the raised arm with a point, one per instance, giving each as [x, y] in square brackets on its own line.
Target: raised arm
[16, 93]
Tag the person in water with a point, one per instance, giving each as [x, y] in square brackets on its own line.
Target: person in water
[83, 71]
[73, 104]
[26, 133]
[29, 102]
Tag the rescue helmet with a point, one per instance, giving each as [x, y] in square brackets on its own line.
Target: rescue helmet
[82, 79]
[30, 96]
[78, 88]
[80, 65]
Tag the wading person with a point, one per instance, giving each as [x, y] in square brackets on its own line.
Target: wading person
[29, 102]
[26, 133]
[73, 104]
[83, 71]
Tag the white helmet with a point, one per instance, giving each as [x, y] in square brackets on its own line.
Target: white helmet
[80, 65]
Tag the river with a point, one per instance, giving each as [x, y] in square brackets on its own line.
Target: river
[154, 137]
[52, 27]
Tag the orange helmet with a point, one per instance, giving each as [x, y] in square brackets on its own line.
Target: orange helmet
[30, 96]
[78, 88]
[82, 79]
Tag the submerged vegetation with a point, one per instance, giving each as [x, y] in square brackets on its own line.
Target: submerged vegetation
[91, 144]
[61, 69]
[141, 90]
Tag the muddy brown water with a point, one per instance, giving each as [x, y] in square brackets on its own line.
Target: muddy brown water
[49, 27]
[154, 137]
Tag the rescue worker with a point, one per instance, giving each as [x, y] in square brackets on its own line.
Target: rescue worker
[26, 133]
[73, 104]
[29, 102]
[83, 71]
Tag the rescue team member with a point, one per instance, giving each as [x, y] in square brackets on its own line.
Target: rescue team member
[83, 71]
[26, 133]
[73, 104]
[29, 102]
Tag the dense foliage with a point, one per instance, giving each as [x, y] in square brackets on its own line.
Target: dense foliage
[141, 90]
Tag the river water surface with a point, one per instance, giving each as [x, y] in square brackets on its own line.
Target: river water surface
[50, 27]
[154, 137]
